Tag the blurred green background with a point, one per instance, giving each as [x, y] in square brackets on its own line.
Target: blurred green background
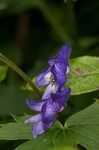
[33, 30]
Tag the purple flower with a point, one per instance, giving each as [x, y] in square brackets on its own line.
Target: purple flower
[55, 74]
[48, 109]
[54, 98]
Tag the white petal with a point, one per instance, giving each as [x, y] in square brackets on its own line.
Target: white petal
[48, 76]
[51, 89]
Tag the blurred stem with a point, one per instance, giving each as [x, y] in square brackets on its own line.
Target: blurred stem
[20, 72]
[71, 23]
[72, 27]
[22, 32]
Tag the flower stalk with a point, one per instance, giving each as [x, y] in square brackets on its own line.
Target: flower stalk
[20, 72]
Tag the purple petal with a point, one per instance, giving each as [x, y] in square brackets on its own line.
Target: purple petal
[59, 73]
[43, 78]
[35, 105]
[54, 104]
[64, 54]
[63, 96]
[48, 111]
[37, 129]
[49, 90]
[51, 61]
[33, 119]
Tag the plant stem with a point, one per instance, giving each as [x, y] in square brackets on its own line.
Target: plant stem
[20, 72]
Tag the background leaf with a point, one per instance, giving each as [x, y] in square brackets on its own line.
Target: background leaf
[81, 128]
[33, 30]
[84, 75]
[42, 144]
[51, 140]
[84, 126]
[16, 130]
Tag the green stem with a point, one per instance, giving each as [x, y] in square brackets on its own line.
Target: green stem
[20, 72]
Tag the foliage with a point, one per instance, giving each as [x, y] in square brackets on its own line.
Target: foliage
[31, 31]
[84, 75]
[81, 128]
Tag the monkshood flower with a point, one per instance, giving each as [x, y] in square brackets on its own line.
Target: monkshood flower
[48, 109]
[55, 74]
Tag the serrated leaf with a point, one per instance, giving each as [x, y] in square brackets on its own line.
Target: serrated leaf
[84, 126]
[84, 75]
[3, 72]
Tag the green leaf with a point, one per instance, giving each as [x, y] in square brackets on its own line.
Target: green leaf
[3, 72]
[81, 128]
[16, 130]
[33, 144]
[84, 126]
[43, 144]
[51, 140]
[84, 75]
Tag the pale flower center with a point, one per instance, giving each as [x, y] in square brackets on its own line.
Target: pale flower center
[50, 78]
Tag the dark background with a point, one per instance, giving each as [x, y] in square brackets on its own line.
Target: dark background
[33, 30]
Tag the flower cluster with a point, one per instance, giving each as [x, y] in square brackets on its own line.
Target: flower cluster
[55, 97]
